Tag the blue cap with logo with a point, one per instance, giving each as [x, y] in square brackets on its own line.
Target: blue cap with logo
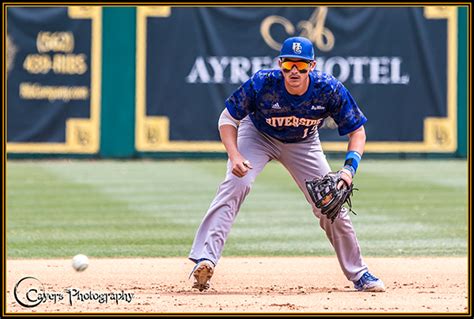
[297, 48]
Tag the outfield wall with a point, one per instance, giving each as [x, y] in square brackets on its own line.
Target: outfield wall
[123, 82]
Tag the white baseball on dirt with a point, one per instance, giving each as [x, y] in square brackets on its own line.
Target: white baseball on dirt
[80, 262]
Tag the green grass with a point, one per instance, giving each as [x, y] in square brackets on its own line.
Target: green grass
[153, 208]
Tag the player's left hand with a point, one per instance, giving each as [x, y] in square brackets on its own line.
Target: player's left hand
[346, 176]
[328, 196]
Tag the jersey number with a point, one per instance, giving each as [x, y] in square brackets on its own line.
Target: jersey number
[305, 132]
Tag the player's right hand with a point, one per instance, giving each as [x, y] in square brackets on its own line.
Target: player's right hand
[346, 177]
[240, 166]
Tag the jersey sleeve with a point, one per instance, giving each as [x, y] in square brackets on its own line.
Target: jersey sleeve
[345, 111]
[242, 101]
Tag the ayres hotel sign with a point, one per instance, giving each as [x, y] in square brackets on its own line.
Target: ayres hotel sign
[376, 69]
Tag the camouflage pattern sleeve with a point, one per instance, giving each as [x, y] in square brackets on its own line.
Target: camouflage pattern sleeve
[345, 111]
[242, 101]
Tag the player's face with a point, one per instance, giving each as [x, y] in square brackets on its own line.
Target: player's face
[296, 72]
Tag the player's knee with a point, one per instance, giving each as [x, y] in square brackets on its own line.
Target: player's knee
[342, 221]
[316, 212]
[241, 183]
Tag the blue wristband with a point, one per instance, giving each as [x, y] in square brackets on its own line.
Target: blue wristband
[352, 161]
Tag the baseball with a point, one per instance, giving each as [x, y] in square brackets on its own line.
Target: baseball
[80, 262]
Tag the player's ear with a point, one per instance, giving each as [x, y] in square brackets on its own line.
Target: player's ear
[313, 65]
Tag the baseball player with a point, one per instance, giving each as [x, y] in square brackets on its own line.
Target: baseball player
[275, 115]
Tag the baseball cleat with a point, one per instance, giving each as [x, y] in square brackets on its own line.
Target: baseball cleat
[369, 283]
[202, 273]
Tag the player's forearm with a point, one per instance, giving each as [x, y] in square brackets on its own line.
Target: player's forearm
[355, 149]
[228, 135]
[357, 141]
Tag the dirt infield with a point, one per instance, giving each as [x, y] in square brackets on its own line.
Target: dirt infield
[243, 285]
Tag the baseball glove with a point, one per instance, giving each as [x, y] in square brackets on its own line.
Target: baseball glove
[327, 197]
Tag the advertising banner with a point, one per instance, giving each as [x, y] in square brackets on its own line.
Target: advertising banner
[399, 63]
[53, 79]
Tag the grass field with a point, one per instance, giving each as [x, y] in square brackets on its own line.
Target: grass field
[153, 208]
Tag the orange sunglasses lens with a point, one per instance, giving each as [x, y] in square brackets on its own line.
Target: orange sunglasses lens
[300, 65]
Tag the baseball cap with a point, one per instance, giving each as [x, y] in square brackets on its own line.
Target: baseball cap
[298, 48]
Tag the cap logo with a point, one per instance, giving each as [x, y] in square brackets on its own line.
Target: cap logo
[297, 48]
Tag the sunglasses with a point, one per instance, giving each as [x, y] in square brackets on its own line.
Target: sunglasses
[301, 66]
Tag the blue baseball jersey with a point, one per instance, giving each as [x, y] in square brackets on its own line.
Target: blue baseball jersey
[292, 118]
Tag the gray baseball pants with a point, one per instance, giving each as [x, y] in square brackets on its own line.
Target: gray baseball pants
[304, 161]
